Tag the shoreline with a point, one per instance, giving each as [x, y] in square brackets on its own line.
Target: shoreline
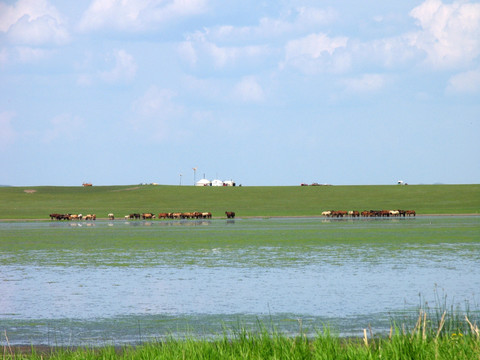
[246, 217]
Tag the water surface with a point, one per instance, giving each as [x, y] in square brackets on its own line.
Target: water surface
[71, 283]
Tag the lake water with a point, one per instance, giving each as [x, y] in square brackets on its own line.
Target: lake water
[76, 283]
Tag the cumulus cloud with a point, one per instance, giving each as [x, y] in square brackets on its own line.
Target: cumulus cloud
[228, 45]
[249, 90]
[33, 22]
[450, 34]
[124, 68]
[7, 132]
[316, 53]
[294, 21]
[137, 15]
[198, 50]
[466, 82]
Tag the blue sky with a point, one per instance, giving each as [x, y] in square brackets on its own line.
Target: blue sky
[261, 92]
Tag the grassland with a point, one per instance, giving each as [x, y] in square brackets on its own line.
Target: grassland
[423, 342]
[38, 202]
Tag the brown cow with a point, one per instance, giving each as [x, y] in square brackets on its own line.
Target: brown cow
[339, 213]
[384, 213]
[230, 214]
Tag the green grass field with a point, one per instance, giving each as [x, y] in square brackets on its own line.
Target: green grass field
[423, 342]
[39, 202]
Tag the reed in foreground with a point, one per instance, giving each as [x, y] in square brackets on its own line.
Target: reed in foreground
[424, 341]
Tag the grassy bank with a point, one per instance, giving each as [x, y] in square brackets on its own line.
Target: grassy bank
[424, 341]
[38, 202]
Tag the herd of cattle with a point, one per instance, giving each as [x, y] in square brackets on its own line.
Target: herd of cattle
[231, 215]
[73, 217]
[368, 213]
[144, 216]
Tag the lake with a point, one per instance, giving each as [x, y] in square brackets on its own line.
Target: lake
[115, 282]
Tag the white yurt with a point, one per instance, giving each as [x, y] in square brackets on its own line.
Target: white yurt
[203, 182]
[229, 183]
[217, 182]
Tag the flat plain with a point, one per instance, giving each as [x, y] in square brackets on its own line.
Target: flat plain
[246, 201]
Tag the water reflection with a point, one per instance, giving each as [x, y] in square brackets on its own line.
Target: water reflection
[79, 224]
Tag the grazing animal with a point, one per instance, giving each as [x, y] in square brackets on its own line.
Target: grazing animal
[207, 215]
[339, 213]
[410, 213]
[230, 214]
[162, 215]
[327, 213]
[148, 216]
[111, 216]
[353, 213]
[394, 213]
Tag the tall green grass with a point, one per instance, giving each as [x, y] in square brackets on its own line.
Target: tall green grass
[15, 203]
[423, 342]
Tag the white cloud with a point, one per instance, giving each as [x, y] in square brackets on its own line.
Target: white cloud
[317, 53]
[197, 50]
[227, 45]
[124, 68]
[450, 33]
[7, 132]
[299, 20]
[33, 22]
[466, 82]
[249, 90]
[137, 15]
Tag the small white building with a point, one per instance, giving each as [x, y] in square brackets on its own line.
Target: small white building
[217, 182]
[229, 183]
[203, 182]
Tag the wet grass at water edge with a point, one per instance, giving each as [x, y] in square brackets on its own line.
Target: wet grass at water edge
[424, 341]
